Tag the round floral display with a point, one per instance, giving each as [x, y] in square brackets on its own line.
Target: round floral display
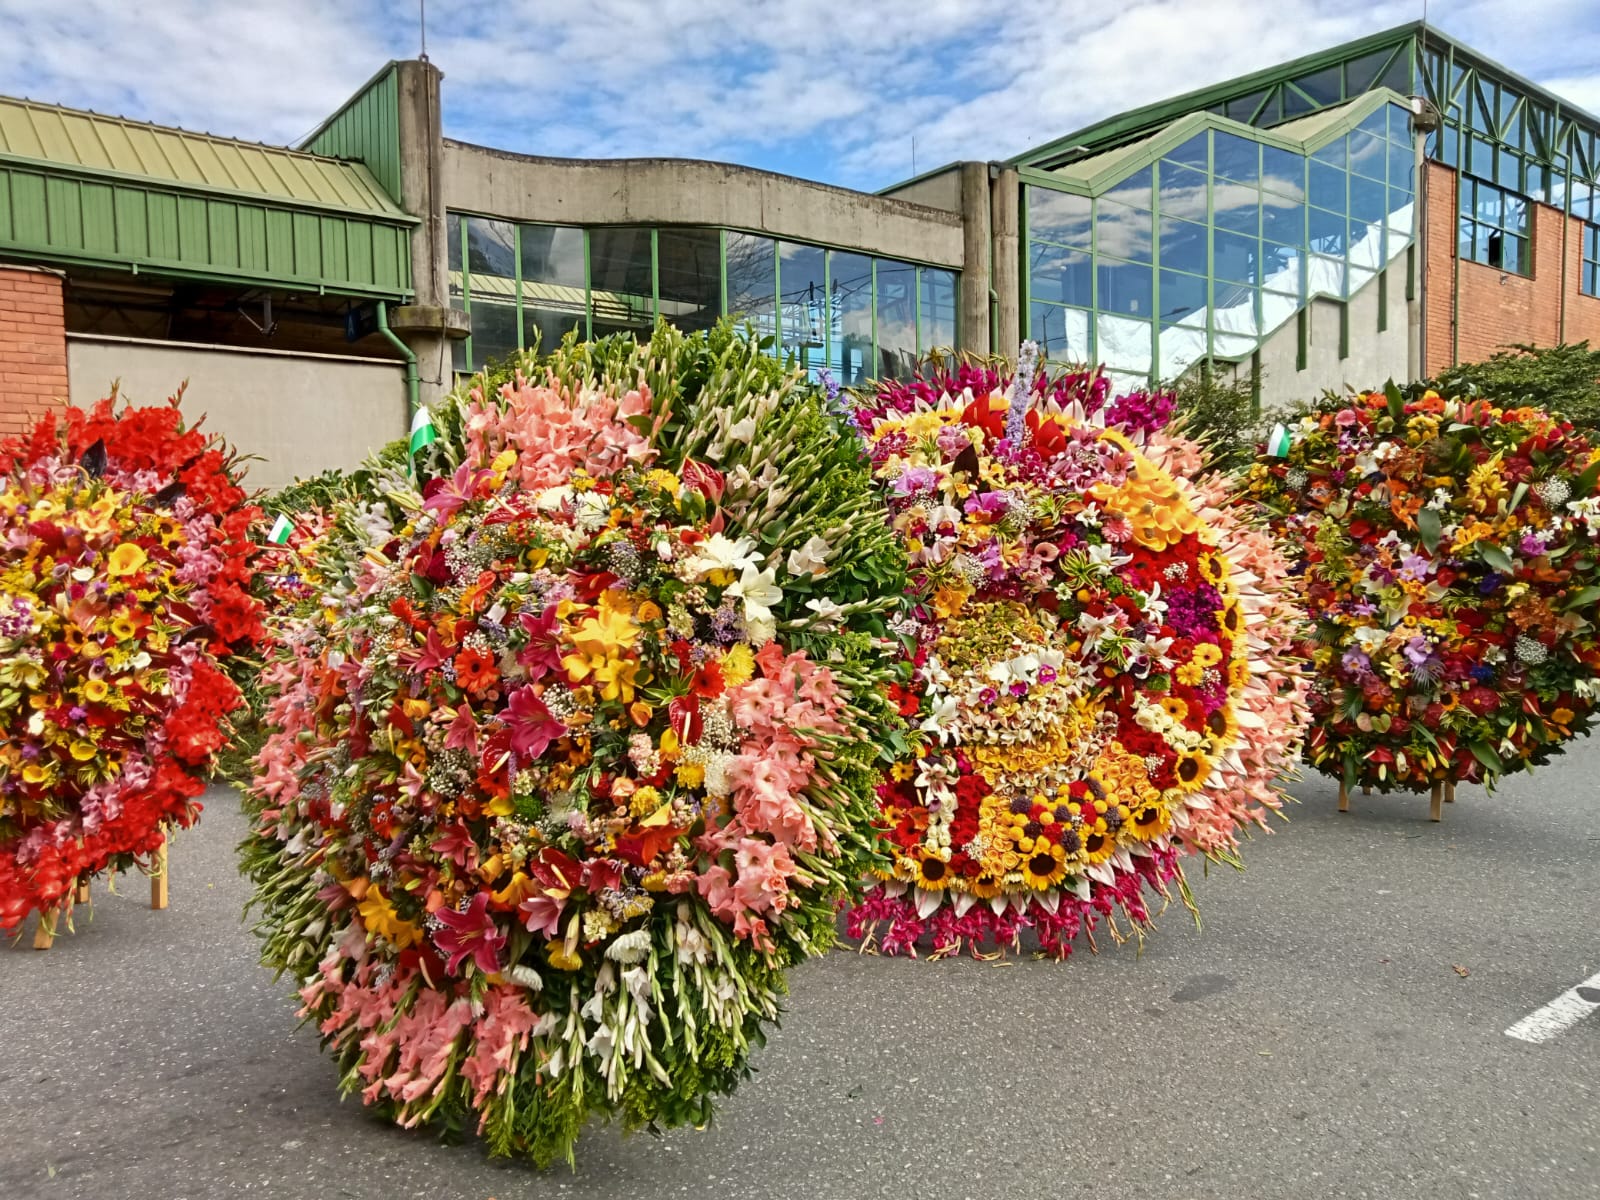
[579, 754]
[1078, 651]
[1448, 552]
[124, 569]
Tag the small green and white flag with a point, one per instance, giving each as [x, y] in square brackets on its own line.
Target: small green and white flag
[1278, 442]
[281, 529]
[422, 431]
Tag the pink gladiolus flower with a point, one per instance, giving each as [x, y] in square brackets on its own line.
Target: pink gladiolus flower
[716, 885]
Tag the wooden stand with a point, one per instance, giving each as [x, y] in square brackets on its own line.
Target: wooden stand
[44, 937]
[1449, 792]
[1344, 798]
[1436, 798]
[83, 891]
[158, 881]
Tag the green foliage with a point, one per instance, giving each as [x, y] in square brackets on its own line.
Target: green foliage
[1560, 379]
[1220, 412]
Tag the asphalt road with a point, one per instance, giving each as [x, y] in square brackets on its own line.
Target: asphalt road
[1316, 1039]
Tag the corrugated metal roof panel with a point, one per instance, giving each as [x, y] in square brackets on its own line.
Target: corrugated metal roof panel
[46, 134]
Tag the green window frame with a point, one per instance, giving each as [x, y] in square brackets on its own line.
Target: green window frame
[1494, 227]
[1589, 274]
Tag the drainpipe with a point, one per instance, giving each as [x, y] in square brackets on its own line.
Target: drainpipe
[413, 381]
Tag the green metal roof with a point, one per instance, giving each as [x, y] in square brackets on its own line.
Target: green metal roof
[88, 142]
[78, 187]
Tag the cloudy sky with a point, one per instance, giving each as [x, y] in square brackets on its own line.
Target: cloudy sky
[834, 90]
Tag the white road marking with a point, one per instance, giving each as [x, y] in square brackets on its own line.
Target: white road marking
[1565, 1011]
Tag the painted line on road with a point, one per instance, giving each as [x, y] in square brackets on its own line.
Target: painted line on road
[1565, 1011]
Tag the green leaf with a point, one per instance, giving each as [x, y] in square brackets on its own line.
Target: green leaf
[1497, 558]
[1517, 496]
[1587, 596]
[1584, 484]
[1484, 753]
[1350, 770]
[1397, 402]
[1429, 528]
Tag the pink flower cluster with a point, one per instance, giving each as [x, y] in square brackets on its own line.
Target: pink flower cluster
[555, 430]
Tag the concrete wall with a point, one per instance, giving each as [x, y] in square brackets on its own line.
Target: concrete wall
[1373, 356]
[941, 189]
[670, 191]
[298, 413]
[33, 346]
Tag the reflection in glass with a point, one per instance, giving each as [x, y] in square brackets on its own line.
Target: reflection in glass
[1283, 220]
[621, 284]
[1192, 153]
[752, 281]
[938, 329]
[1060, 276]
[850, 317]
[1235, 258]
[494, 326]
[1181, 297]
[1369, 155]
[803, 299]
[552, 284]
[1368, 200]
[491, 247]
[1325, 276]
[1062, 333]
[1327, 188]
[1123, 343]
[1283, 172]
[1121, 231]
[689, 266]
[1237, 207]
[897, 319]
[1124, 288]
[1059, 217]
[1235, 158]
[1134, 190]
[1183, 192]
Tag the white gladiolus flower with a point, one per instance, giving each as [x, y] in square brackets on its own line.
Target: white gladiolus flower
[810, 559]
[719, 553]
[629, 948]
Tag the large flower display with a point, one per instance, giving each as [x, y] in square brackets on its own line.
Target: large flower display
[578, 756]
[1081, 663]
[1448, 551]
[125, 567]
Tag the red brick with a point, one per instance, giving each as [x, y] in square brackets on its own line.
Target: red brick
[33, 346]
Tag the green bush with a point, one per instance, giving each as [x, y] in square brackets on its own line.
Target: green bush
[1561, 379]
[1220, 412]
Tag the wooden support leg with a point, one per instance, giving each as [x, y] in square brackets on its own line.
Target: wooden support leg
[45, 936]
[1450, 793]
[158, 881]
[1344, 798]
[1436, 799]
[1366, 789]
[83, 891]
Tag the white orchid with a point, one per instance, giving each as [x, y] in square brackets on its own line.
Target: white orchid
[760, 591]
[719, 553]
[810, 559]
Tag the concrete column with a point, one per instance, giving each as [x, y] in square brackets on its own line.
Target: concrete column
[976, 247]
[427, 324]
[1005, 196]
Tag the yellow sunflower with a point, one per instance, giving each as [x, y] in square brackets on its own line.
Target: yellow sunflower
[1213, 569]
[1192, 768]
[1149, 821]
[930, 872]
[1045, 867]
[1232, 621]
[1222, 727]
[1098, 845]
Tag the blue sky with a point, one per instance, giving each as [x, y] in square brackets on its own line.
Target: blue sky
[834, 90]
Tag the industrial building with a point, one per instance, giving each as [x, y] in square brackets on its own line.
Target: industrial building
[1385, 208]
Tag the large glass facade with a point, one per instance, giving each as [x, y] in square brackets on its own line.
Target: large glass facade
[1211, 248]
[864, 317]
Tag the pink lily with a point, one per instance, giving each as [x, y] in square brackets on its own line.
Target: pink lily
[470, 933]
[532, 726]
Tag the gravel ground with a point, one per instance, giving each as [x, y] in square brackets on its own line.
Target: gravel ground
[1336, 1030]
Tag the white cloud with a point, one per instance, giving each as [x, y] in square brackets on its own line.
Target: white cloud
[832, 88]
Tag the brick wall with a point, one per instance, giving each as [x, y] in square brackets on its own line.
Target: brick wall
[33, 346]
[1498, 308]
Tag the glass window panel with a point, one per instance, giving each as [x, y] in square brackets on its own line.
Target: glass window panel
[1295, 102]
[1235, 258]
[1399, 125]
[1480, 156]
[1276, 308]
[1516, 214]
[1402, 212]
[1183, 192]
[1124, 343]
[1465, 229]
[938, 329]
[1124, 288]
[1537, 182]
[452, 235]
[1179, 348]
[1192, 153]
[1327, 231]
[897, 319]
[1508, 169]
[1237, 207]
[1327, 187]
[1134, 190]
[1281, 267]
[1244, 108]
[1283, 172]
[1376, 123]
[1366, 243]
[850, 351]
[1282, 221]
[1325, 275]
[1489, 205]
[1361, 73]
[1323, 86]
[1368, 200]
[1059, 275]
[1402, 166]
[1334, 154]
[689, 264]
[1368, 155]
[621, 290]
[494, 328]
[1233, 309]
[1478, 114]
[1398, 77]
[1272, 112]
[1448, 149]
[491, 248]
[552, 284]
[1181, 297]
[1183, 245]
[1062, 333]
[802, 304]
[1235, 158]
[1059, 217]
[1122, 231]
[753, 281]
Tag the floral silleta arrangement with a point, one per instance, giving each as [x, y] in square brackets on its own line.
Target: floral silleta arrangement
[578, 755]
[125, 567]
[1081, 659]
[1448, 551]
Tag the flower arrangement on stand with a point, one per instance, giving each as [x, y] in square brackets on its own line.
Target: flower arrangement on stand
[578, 754]
[1080, 658]
[125, 566]
[1448, 550]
